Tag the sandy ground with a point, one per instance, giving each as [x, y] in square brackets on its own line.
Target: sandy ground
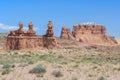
[83, 72]
[71, 70]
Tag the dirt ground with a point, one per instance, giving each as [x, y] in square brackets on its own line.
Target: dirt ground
[73, 64]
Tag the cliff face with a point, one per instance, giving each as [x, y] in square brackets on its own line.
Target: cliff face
[92, 34]
[19, 39]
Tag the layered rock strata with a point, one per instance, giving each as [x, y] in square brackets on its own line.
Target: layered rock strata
[19, 39]
[92, 34]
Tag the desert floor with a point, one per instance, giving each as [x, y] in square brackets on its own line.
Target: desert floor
[60, 64]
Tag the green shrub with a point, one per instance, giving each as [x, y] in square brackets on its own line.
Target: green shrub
[57, 73]
[38, 69]
[7, 66]
[6, 71]
[101, 78]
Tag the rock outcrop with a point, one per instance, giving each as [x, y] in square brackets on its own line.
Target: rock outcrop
[31, 32]
[86, 33]
[50, 41]
[19, 39]
[19, 32]
[92, 34]
[65, 33]
[50, 31]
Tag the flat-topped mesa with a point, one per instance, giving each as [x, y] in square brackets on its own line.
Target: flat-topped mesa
[92, 34]
[65, 33]
[50, 31]
[88, 29]
[19, 32]
[30, 31]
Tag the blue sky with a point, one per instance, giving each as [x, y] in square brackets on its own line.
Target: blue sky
[61, 12]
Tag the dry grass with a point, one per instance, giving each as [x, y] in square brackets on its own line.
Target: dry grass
[73, 64]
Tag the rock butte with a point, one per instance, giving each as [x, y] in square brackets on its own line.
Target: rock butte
[19, 39]
[90, 34]
[85, 33]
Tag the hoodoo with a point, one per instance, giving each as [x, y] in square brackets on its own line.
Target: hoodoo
[19, 39]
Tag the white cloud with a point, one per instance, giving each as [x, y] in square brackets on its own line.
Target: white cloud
[7, 27]
[4, 27]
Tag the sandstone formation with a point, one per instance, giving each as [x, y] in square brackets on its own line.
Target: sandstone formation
[86, 33]
[50, 41]
[19, 32]
[31, 32]
[19, 39]
[92, 34]
[65, 33]
[50, 32]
